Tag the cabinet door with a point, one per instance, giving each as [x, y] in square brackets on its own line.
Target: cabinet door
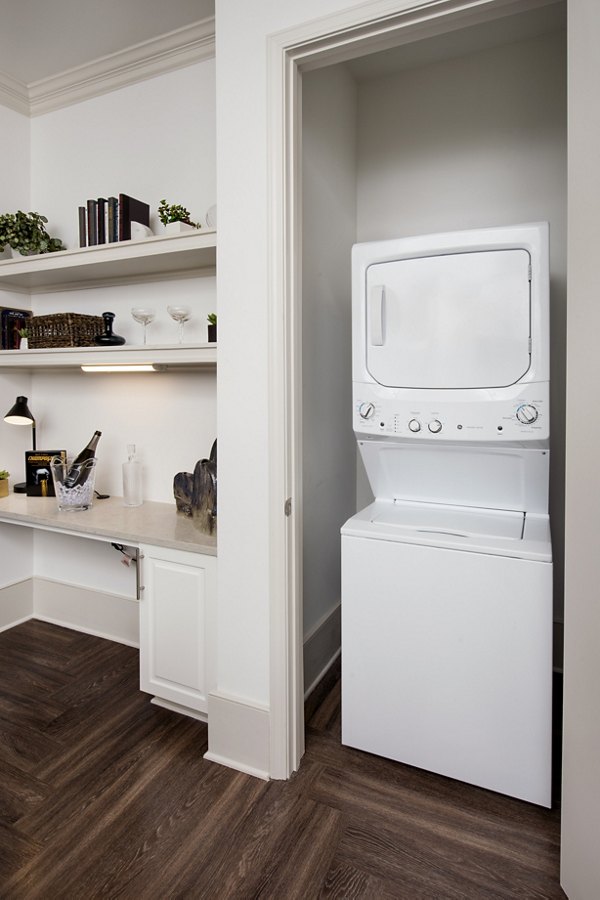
[176, 603]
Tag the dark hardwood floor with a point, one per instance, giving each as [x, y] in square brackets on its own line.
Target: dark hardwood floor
[104, 795]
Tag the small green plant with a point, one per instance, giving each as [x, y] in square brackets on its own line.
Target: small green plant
[175, 213]
[27, 233]
[4, 474]
[23, 332]
[212, 318]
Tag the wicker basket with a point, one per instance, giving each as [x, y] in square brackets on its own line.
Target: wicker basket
[63, 330]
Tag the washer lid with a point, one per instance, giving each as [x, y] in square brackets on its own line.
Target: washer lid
[496, 532]
[450, 521]
[457, 320]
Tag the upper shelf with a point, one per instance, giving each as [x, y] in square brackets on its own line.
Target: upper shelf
[111, 263]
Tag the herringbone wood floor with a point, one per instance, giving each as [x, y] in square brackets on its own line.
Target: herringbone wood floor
[104, 795]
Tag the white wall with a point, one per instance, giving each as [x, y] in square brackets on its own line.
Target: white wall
[329, 230]
[243, 179]
[15, 194]
[15, 153]
[151, 140]
[472, 142]
[580, 871]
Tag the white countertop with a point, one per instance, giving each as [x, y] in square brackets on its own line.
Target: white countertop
[151, 523]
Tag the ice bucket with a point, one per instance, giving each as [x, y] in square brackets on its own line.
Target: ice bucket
[73, 485]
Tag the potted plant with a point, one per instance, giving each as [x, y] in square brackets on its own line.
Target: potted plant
[4, 475]
[26, 233]
[176, 218]
[212, 327]
[24, 335]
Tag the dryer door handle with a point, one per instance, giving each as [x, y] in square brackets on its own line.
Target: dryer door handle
[376, 306]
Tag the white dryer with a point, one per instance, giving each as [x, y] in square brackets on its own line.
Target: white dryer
[447, 576]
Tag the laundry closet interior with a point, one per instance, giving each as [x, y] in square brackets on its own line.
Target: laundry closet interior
[460, 130]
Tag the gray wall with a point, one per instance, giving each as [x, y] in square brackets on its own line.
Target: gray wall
[471, 142]
[329, 229]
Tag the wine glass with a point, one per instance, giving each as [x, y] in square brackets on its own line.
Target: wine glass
[180, 314]
[143, 315]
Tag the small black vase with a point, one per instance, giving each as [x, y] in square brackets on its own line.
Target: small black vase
[212, 333]
[108, 339]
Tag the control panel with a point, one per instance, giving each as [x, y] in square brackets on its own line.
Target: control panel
[524, 417]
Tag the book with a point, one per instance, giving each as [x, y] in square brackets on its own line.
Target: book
[131, 210]
[92, 222]
[101, 221]
[82, 227]
[113, 219]
[11, 320]
[38, 474]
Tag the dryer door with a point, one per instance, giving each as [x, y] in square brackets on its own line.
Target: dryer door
[460, 320]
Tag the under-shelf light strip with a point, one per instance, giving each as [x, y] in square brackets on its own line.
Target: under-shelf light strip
[134, 367]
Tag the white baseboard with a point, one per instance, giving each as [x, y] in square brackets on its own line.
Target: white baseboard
[109, 616]
[321, 648]
[238, 735]
[16, 603]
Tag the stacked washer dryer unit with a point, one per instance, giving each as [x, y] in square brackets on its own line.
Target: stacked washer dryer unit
[447, 575]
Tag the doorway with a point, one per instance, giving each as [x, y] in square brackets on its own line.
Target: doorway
[402, 65]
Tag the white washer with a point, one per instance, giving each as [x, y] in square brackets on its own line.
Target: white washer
[447, 576]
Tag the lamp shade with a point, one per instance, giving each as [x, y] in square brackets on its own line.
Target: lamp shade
[20, 413]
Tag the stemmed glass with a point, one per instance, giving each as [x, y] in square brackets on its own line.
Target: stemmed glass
[180, 314]
[143, 315]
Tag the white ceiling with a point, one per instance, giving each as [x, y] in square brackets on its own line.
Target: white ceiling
[40, 38]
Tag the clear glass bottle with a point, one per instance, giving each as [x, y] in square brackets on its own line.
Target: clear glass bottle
[132, 479]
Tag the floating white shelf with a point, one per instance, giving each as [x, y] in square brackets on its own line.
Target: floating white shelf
[169, 355]
[155, 257]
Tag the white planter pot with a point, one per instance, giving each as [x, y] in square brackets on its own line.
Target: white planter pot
[24, 345]
[178, 228]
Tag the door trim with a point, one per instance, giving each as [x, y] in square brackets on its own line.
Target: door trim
[362, 29]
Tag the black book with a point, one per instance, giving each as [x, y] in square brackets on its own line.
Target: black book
[101, 227]
[131, 210]
[38, 474]
[113, 219]
[11, 321]
[92, 222]
[82, 227]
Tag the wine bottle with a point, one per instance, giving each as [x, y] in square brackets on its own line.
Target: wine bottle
[78, 473]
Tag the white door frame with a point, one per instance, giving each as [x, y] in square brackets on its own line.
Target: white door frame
[361, 29]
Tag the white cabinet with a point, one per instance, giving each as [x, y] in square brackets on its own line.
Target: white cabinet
[176, 614]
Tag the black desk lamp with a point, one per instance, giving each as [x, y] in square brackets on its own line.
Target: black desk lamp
[21, 415]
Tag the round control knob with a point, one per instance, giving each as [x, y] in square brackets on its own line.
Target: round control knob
[435, 426]
[527, 414]
[366, 410]
[414, 425]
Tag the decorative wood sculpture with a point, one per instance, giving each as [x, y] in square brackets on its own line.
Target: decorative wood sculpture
[196, 494]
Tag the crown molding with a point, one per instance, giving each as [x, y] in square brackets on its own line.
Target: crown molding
[168, 52]
[14, 94]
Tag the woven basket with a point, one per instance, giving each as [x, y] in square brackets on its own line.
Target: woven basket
[63, 330]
